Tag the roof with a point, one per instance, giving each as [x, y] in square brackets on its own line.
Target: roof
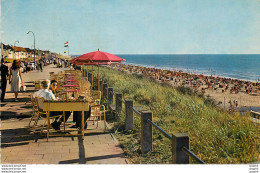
[19, 49]
[6, 47]
[28, 49]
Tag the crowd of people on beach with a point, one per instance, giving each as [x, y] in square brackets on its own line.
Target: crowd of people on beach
[199, 82]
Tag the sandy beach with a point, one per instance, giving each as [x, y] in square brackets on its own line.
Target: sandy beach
[227, 92]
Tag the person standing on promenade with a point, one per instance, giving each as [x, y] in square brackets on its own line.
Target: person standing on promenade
[4, 75]
[41, 64]
[15, 79]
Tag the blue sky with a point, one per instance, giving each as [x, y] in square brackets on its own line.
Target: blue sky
[134, 26]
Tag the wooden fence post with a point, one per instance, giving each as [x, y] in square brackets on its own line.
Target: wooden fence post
[89, 77]
[101, 86]
[83, 72]
[179, 141]
[96, 82]
[146, 132]
[118, 102]
[129, 123]
[104, 91]
[110, 95]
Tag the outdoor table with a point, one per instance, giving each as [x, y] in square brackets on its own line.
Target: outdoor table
[82, 106]
[70, 78]
[71, 90]
[67, 91]
[70, 85]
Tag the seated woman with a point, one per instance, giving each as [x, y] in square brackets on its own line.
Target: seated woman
[53, 87]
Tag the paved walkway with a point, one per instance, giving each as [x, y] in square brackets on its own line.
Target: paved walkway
[19, 145]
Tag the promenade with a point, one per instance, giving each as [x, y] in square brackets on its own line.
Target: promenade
[19, 145]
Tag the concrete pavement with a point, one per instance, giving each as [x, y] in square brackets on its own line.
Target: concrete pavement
[19, 145]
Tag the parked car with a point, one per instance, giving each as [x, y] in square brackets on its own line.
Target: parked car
[31, 65]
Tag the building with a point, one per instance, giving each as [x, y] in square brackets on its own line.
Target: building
[19, 53]
[11, 52]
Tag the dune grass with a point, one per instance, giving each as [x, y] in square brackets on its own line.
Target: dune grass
[215, 135]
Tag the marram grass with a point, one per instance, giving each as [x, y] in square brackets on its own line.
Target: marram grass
[215, 135]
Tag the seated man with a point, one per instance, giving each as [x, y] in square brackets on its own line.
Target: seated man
[77, 118]
[48, 95]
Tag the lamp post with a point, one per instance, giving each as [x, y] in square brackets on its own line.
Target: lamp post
[14, 47]
[34, 47]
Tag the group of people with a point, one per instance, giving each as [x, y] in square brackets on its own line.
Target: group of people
[61, 63]
[49, 93]
[15, 75]
[15, 79]
[27, 66]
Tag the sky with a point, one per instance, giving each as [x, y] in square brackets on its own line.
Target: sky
[134, 26]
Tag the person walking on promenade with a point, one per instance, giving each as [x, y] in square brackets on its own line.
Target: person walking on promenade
[38, 66]
[4, 75]
[41, 64]
[15, 79]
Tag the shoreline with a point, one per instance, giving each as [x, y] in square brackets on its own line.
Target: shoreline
[229, 93]
[178, 69]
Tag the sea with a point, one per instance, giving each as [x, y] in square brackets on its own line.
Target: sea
[236, 66]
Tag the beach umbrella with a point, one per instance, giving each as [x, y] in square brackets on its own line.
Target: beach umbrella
[97, 58]
[87, 63]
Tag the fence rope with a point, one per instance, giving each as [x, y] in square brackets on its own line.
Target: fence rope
[122, 100]
[136, 111]
[184, 149]
[188, 152]
[161, 130]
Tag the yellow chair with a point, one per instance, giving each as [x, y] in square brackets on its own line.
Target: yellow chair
[35, 117]
[39, 102]
[37, 85]
[95, 96]
[97, 111]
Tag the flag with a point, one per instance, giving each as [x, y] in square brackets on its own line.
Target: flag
[66, 43]
[64, 51]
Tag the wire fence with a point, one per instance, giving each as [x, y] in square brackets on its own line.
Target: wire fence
[180, 154]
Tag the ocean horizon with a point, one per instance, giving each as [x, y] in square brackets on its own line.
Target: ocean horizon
[236, 66]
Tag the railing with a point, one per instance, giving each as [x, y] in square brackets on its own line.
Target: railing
[180, 142]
